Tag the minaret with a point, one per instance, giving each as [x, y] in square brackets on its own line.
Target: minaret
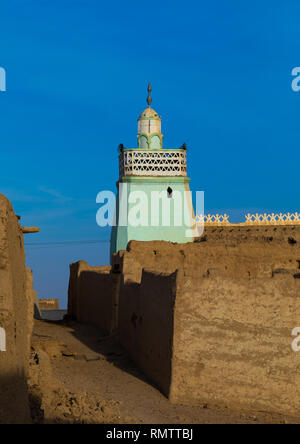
[149, 127]
[153, 201]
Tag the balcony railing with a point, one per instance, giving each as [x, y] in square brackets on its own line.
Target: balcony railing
[164, 162]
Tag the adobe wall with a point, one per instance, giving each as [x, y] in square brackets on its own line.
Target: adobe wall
[227, 335]
[93, 295]
[146, 317]
[16, 318]
[49, 304]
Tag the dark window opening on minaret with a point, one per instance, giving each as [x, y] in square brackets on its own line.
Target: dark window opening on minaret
[170, 192]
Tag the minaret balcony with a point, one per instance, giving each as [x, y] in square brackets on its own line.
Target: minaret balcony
[165, 162]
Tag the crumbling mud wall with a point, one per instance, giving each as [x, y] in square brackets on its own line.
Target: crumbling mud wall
[16, 318]
[219, 312]
[146, 318]
[49, 304]
[93, 295]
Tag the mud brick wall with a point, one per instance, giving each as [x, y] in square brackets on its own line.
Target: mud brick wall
[146, 324]
[16, 318]
[93, 295]
[49, 304]
[236, 299]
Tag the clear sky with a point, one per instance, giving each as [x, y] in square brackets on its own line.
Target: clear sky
[78, 69]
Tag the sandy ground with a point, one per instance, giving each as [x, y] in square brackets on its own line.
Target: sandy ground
[79, 375]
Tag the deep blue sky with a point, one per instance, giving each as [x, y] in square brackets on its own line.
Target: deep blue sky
[77, 72]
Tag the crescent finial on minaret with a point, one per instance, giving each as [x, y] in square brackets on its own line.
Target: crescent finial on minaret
[149, 98]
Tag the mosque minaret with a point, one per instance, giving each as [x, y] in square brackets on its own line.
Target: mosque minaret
[159, 175]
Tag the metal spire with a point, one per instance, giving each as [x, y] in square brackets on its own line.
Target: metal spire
[149, 98]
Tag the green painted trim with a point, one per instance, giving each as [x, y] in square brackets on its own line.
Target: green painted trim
[156, 134]
[139, 141]
[155, 151]
[150, 135]
[143, 135]
[159, 135]
[158, 179]
[121, 235]
[149, 138]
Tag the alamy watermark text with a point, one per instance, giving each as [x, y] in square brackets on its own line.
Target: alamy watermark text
[2, 79]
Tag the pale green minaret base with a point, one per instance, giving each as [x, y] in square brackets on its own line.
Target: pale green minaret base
[121, 235]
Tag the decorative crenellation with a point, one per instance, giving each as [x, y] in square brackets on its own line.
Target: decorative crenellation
[272, 219]
[153, 163]
[212, 219]
[251, 219]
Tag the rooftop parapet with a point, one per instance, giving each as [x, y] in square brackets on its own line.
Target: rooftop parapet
[251, 219]
[165, 162]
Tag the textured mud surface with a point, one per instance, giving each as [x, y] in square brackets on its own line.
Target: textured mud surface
[79, 375]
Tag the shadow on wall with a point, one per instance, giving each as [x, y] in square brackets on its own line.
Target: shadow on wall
[211, 321]
[107, 346]
[93, 295]
[137, 305]
[146, 324]
[14, 403]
